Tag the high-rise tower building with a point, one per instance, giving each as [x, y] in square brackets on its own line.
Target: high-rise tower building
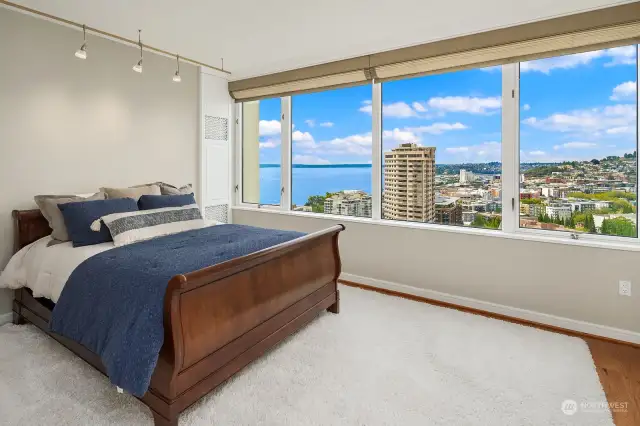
[409, 183]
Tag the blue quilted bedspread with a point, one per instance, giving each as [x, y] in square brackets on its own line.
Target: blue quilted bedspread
[113, 302]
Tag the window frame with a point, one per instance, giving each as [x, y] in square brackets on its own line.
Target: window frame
[510, 176]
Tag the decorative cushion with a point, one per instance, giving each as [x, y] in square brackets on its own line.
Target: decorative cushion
[148, 202]
[166, 189]
[134, 192]
[127, 228]
[48, 205]
[79, 216]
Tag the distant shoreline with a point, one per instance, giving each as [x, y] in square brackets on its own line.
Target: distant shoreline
[337, 166]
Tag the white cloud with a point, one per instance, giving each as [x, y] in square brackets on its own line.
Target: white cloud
[310, 122]
[326, 124]
[437, 128]
[575, 145]
[393, 110]
[625, 55]
[545, 66]
[270, 143]
[309, 159]
[471, 105]
[366, 108]
[537, 153]
[526, 107]
[457, 149]
[419, 107]
[269, 127]
[398, 110]
[621, 130]
[625, 90]
[400, 136]
[484, 152]
[589, 121]
[299, 136]
[359, 144]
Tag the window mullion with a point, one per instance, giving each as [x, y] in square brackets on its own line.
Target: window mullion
[285, 168]
[637, 136]
[510, 148]
[237, 199]
[376, 151]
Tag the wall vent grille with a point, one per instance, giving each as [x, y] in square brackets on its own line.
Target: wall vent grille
[216, 128]
[218, 213]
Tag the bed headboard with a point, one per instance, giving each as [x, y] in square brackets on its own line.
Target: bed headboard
[29, 226]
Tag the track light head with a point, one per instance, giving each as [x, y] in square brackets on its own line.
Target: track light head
[176, 76]
[138, 67]
[82, 52]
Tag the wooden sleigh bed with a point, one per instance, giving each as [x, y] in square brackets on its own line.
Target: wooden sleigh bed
[218, 319]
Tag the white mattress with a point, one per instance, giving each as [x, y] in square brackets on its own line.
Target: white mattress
[45, 270]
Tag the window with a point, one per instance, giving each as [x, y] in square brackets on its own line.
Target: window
[261, 153]
[578, 143]
[331, 152]
[441, 145]
[431, 150]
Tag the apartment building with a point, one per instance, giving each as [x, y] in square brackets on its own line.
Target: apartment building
[409, 183]
[349, 203]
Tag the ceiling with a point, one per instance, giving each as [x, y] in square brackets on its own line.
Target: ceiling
[261, 37]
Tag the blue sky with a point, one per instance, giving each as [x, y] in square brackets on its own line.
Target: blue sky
[573, 107]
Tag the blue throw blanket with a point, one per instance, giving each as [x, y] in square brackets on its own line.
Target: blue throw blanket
[113, 302]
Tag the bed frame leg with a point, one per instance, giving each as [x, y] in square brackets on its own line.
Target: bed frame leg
[335, 308]
[158, 420]
[18, 319]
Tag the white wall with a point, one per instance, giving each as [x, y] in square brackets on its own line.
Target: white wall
[574, 282]
[71, 126]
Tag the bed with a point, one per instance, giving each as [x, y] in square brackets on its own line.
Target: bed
[216, 319]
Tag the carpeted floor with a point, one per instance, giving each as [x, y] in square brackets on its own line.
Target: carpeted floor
[382, 361]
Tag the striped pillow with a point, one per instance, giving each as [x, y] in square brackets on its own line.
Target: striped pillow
[131, 227]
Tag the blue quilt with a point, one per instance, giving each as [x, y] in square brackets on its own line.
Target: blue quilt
[113, 302]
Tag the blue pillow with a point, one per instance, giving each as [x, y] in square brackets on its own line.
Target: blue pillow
[149, 202]
[78, 217]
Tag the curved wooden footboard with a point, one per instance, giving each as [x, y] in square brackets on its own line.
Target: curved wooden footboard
[218, 319]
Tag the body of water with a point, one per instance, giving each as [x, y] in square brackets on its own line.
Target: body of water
[308, 181]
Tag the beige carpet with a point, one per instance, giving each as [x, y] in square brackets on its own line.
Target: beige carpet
[382, 361]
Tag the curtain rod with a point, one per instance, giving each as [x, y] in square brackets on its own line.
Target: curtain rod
[106, 34]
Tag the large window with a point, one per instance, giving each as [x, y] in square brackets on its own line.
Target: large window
[578, 143]
[545, 147]
[261, 152]
[331, 152]
[441, 144]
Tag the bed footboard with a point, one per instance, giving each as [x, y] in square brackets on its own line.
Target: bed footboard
[219, 319]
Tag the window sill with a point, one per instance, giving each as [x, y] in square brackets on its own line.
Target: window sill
[518, 235]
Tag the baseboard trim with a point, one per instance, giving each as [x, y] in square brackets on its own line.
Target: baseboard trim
[6, 318]
[502, 312]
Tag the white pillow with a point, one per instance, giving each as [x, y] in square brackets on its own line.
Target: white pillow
[130, 227]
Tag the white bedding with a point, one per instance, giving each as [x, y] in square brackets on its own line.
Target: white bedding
[45, 270]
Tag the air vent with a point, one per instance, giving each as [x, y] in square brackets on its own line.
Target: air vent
[216, 128]
[217, 213]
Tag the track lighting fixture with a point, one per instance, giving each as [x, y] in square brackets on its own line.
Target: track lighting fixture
[82, 52]
[138, 67]
[176, 76]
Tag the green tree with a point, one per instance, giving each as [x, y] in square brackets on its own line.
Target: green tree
[481, 221]
[316, 202]
[619, 226]
[590, 224]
